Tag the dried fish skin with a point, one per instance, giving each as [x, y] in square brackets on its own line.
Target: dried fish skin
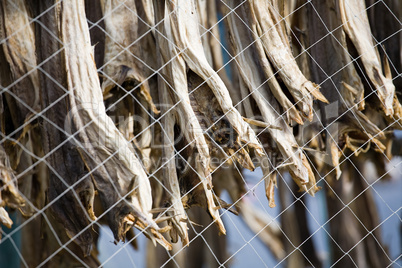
[186, 36]
[356, 25]
[9, 194]
[220, 135]
[345, 90]
[116, 170]
[175, 75]
[178, 220]
[19, 52]
[122, 49]
[279, 53]
[250, 72]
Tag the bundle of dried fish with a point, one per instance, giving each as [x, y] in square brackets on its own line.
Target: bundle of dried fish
[344, 119]
[250, 59]
[124, 85]
[348, 125]
[269, 32]
[78, 136]
[205, 114]
[19, 80]
[356, 25]
[92, 141]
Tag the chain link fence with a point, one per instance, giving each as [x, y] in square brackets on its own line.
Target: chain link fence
[200, 133]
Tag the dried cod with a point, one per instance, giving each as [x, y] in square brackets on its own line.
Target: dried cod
[9, 194]
[277, 49]
[125, 87]
[344, 118]
[356, 25]
[109, 156]
[249, 62]
[20, 79]
[90, 138]
[176, 73]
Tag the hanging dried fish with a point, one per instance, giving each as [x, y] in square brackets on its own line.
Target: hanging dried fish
[248, 62]
[89, 143]
[170, 177]
[125, 86]
[122, 64]
[117, 172]
[356, 25]
[187, 120]
[278, 50]
[9, 194]
[186, 37]
[20, 78]
[345, 90]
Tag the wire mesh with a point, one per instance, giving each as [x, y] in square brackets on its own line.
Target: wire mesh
[120, 115]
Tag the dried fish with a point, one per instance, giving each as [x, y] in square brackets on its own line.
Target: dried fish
[20, 78]
[176, 73]
[122, 65]
[117, 171]
[278, 51]
[186, 37]
[82, 132]
[9, 194]
[257, 220]
[356, 25]
[345, 91]
[170, 177]
[125, 88]
[249, 69]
